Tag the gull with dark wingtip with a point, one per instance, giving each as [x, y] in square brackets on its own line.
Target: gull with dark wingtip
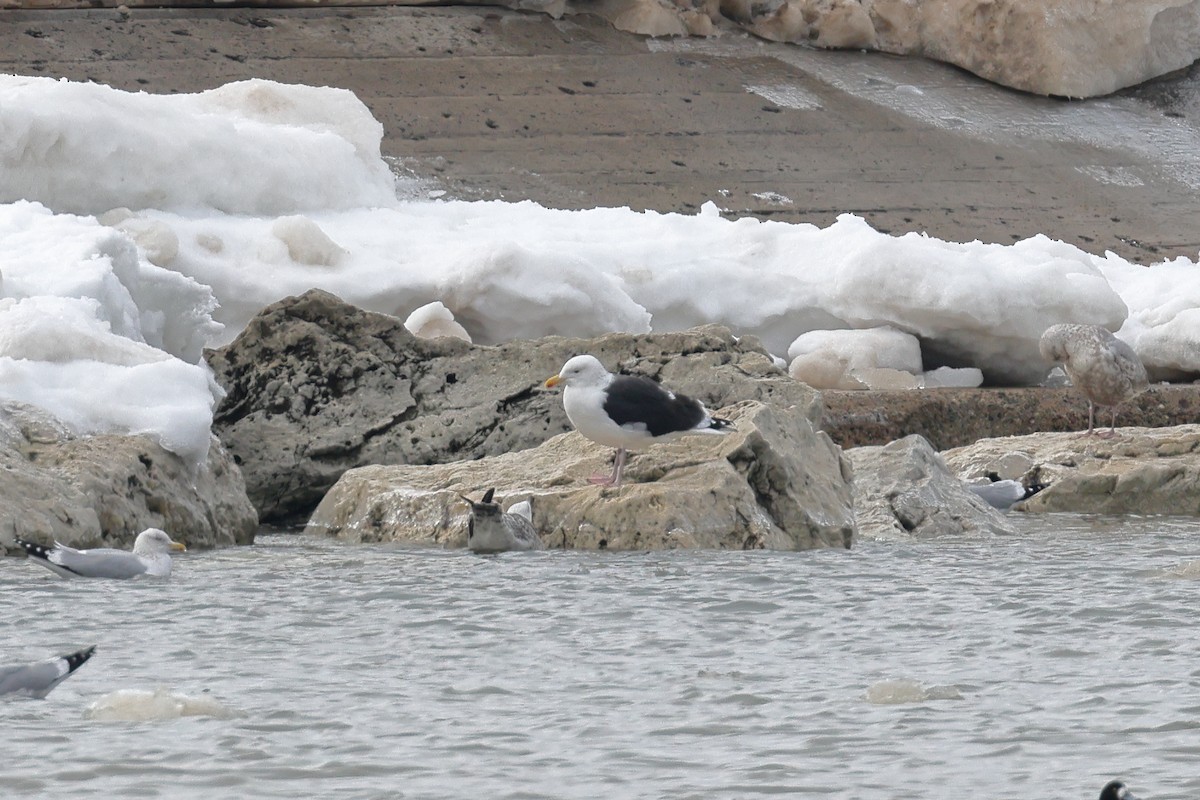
[151, 556]
[492, 530]
[627, 412]
[40, 678]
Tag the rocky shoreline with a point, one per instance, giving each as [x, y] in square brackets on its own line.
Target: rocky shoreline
[342, 419]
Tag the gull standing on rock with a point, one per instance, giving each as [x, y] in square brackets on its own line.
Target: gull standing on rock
[627, 412]
[151, 556]
[1100, 365]
[491, 530]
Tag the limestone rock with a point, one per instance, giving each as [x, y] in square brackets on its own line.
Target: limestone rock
[316, 386]
[1139, 471]
[101, 491]
[904, 489]
[773, 483]
[956, 417]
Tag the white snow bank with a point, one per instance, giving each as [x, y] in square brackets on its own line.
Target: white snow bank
[99, 337]
[261, 190]
[839, 359]
[508, 271]
[1164, 313]
[251, 147]
[434, 320]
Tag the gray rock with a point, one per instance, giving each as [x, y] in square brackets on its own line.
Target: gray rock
[101, 491]
[317, 386]
[773, 483]
[1139, 471]
[904, 489]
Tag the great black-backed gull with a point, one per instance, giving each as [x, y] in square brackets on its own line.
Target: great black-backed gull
[151, 556]
[491, 530]
[1116, 790]
[627, 412]
[1100, 365]
[39, 678]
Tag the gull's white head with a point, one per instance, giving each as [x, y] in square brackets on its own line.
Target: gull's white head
[581, 371]
[154, 540]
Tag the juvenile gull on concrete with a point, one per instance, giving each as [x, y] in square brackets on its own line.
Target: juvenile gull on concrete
[491, 530]
[151, 556]
[627, 412]
[1100, 365]
[38, 679]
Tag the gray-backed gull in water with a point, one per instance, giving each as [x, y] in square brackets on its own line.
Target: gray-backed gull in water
[1100, 365]
[39, 678]
[1116, 790]
[1002, 494]
[627, 412]
[151, 556]
[491, 530]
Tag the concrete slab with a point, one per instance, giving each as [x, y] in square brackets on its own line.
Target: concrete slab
[570, 113]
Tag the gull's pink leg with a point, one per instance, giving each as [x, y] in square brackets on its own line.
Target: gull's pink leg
[1091, 419]
[1112, 427]
[619, 468]
[615, 478]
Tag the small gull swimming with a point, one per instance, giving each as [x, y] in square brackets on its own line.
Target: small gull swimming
[39, 678]
[151, 556]
[1002, 494]
[627, 412]
[491, 530]
[1116, 790]
[1104, 368]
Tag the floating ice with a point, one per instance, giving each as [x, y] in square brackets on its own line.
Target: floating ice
[897, 692]
[157, 705]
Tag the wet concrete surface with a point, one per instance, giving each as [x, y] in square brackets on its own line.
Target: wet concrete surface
[490, 103]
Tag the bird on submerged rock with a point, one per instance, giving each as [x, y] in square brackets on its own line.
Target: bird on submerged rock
[39, 678]
[1116, 790]
[1002, 494]
[627, 412]
[151, 556]
[1100, 365]
[491, 530]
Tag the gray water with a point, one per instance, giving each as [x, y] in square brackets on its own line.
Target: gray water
[1034, 666]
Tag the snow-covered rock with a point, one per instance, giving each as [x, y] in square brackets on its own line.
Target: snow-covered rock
[850, 359]
[1068, 48]
[433, 320]
[101, 491]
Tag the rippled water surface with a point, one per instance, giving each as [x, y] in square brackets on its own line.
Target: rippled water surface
[1036, 666]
